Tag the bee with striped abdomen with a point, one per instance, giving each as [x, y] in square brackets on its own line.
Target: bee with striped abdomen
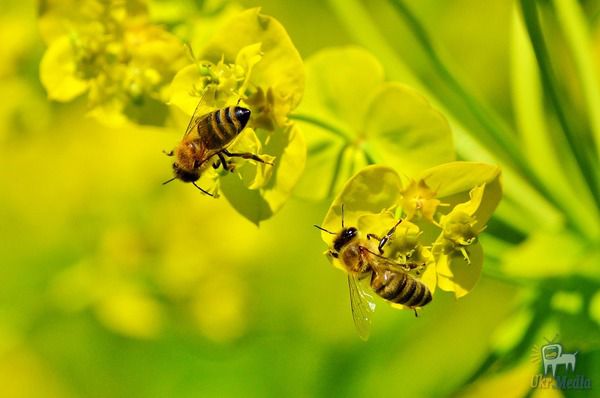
[388, 279]
[207, 136]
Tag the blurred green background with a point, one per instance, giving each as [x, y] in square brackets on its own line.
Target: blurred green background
[113, 285]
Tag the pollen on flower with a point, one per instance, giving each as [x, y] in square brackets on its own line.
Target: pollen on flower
[459, 231]
[406, 241]
[419, 200]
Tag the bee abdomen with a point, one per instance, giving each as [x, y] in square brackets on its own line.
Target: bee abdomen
[224, 125]
[400, 288]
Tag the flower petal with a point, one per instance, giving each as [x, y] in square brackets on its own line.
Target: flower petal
[57, 72]
[456, 275]
[371, 190]
[281, 67]
[288, 147]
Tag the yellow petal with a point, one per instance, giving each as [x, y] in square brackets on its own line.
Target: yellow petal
[58, 72]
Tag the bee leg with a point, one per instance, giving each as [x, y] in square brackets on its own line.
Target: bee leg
[224, 162]
[216, 164]
[387, 236]
[373, 236]
[416, 313]
[382, 241]
[170, 153]
[245, 155]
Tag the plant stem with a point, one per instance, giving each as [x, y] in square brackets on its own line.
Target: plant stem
[577, 33]
[322, 124]
[493, 127]
[585, 162]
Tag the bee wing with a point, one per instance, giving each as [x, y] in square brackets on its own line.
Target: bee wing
[362, 307]
[196, 116]
[381, 263]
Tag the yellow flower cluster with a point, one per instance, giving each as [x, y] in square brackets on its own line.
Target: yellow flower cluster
[252, 62]
[111, 51]
[132, 70]
[440, 236]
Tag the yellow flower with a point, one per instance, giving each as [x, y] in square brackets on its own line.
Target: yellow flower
[419, 200]
[113, 53]
[375, 197]
[460, 227]
[251, 61]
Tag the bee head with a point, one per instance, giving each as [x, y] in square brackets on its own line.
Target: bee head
[185, 175]
[344, 237]
[242, 115]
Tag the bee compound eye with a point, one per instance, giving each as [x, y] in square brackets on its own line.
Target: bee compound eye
[242, 115]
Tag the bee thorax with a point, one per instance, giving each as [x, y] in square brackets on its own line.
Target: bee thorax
[351, 256]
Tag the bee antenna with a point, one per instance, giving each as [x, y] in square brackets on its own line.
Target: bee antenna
[323, 229]
[168, 181]
[342, 216]
[208, 193]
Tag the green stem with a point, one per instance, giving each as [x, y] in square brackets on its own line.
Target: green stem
[583, 157]
[336, 170]
[322, 124]
[495, 129]
[574, 27]
[474, 146]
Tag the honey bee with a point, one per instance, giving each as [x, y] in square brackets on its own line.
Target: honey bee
[207, 136]
[388, 279]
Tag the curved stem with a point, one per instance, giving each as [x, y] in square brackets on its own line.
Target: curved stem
[320, 123]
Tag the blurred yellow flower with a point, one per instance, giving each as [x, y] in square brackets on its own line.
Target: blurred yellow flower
[113, 53]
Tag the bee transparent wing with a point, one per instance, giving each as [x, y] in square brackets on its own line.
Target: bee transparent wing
[381, 263]
[362, 307]
[196, 116]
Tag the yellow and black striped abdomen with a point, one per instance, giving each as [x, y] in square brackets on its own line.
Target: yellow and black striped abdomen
[218, 128]
[400, 288]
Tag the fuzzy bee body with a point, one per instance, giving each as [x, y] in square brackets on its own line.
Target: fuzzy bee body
[217, 129]
[389, 279]
[206, 138]
[400, 288]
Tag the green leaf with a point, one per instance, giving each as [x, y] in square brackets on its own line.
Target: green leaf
[404, 131]
[288, 147]
[57, 72]
[573, 23]
[350, 114]
[585, 157]
[562, 180]
[321, 174]
[338, 83]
